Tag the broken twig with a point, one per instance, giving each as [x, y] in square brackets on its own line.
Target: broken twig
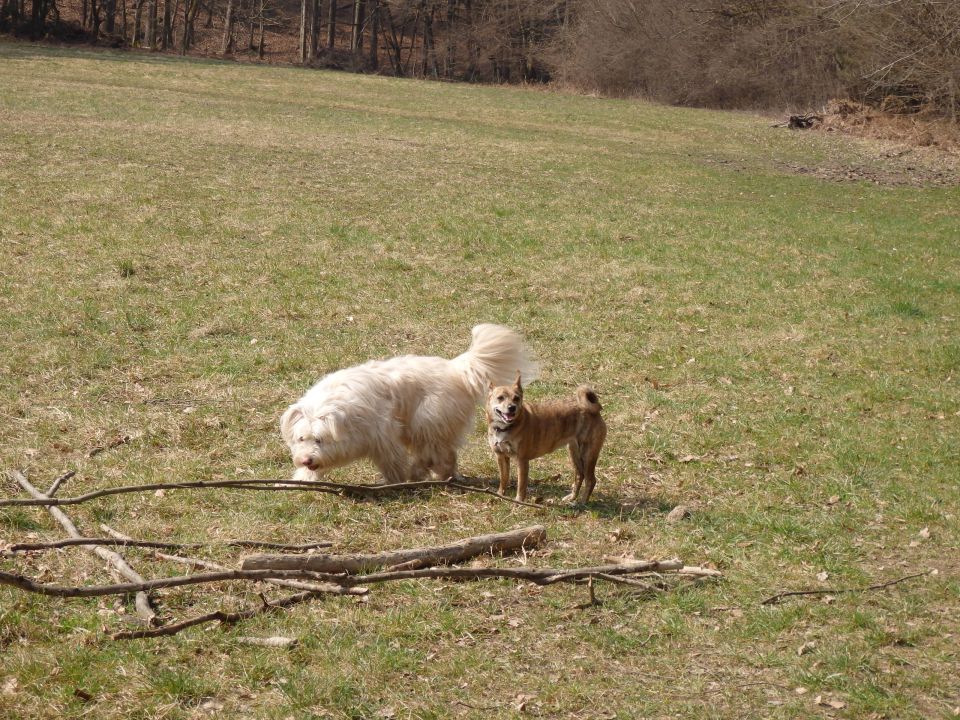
[774, 599]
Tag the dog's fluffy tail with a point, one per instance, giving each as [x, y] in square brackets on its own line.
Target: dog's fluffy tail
[495, 356]
[588, 399]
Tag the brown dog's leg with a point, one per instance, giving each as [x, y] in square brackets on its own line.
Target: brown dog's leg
[591, 479]
[503, 462]
[576, 459]
[591, 455]
[523, 468]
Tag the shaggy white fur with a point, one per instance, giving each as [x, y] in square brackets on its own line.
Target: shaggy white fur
[408, 414]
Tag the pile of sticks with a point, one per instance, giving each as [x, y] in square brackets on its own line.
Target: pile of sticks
[313, 575]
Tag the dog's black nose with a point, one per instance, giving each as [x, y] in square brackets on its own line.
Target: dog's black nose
[511, 408]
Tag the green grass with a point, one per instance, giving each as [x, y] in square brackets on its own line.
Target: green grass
[186, 246]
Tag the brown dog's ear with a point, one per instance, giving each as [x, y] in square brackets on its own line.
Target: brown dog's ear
[517, 385]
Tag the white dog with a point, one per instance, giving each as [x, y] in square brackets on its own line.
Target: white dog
[408, 414]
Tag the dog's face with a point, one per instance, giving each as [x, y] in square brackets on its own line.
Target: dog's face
[504, 403]
[306, 437]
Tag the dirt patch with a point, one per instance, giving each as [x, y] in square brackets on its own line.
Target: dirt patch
[914, 150]
[918, 174]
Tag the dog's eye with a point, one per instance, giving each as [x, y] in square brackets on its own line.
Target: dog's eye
[516, 398]
[499, 398]
[301, 438]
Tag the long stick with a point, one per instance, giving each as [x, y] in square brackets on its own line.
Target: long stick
[198, 484]
[141, 600]
[113, 541]
[216, 616]
[208, 565]
[341, 489]
[24, 583]
[774, 599]
[344, 584]
[528, 537]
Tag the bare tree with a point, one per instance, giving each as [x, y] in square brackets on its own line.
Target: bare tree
[226, 46]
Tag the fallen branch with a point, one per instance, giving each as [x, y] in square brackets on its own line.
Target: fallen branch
[488, 491]
[316, 486]
[208, 565]
[141, 600]
[130, 542]
[311, 591]
[331, 488]
[22, 582]
[226, 618]
[538, 576]
[529, 537]
[343, 584]
[338, 584]
[276, 641]
[59, 481]
[774, 599]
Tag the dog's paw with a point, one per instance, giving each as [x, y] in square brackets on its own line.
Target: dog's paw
[570, 499]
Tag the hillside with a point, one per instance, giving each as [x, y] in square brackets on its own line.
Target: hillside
[189, 244]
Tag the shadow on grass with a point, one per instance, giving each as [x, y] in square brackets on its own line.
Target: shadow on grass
[546, 494]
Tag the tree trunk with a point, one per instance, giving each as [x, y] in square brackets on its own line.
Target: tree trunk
[261, 44]
[94, 17]
[356, 35]
[529, 537]
[190, 10]
[150, 34]
[227, 45]
[314, 28]
[429, 54]
[448, 58]
[303, 31]
[110, 8]
[167, 32]
[374, 30]
[137, 21]
[332, 25]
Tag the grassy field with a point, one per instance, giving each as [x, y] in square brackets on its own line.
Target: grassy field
[186, 246]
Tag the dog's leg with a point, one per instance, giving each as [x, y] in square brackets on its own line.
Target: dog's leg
[591, 473]
[393, 465]
[420, 469]
[503, 462]
[590, 457]
[523, 470]
[444, 465]
[576, 459]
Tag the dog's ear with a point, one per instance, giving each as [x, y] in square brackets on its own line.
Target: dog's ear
[287, 421]
[517, 385]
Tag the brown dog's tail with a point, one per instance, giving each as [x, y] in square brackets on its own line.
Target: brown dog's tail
[588, 399]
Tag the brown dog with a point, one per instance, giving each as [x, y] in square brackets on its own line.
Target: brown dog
[530, 430]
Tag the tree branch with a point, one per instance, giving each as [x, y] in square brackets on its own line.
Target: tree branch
[130, 542]
[141, 600]
[775, 599]
[217, 616]
[341, 489]
[529, 537]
